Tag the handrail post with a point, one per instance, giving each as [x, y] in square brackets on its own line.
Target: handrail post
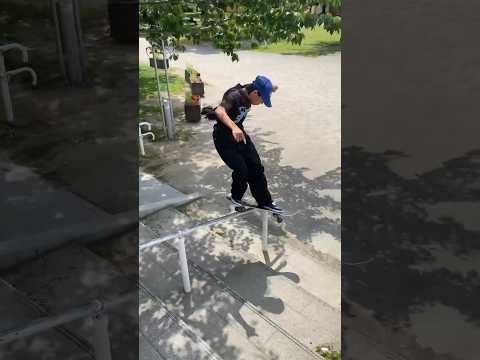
[101, 338]
[265, 231]
[182, 259]
[140, 141]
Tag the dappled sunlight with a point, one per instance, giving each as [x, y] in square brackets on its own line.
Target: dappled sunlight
[304, 197]
[397, 233]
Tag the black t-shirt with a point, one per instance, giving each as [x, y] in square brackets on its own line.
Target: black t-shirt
[237, 105]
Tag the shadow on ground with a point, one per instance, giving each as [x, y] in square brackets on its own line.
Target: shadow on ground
[418, 255]
[209, 307]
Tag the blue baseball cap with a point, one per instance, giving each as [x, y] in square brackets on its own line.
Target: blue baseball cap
[264, 87]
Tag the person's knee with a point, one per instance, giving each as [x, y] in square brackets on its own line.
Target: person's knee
[257, 170]
[241, 174]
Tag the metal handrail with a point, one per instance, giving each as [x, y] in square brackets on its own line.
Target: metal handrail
[192, 229]
[96, 311]
[180, 242]
[94, 308]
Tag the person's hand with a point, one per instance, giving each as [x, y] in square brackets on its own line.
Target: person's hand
[238, 134]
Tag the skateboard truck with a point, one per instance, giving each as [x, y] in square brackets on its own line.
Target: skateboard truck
[277, 217]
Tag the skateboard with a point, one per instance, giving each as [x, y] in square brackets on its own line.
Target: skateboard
[246, 205]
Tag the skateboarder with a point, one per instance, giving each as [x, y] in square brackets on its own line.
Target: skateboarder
[234, 145]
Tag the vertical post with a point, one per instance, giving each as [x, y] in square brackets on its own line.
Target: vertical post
[265, 230]
[182, 258]
[160, 100]
[140, 140]
[101, 339]
[70, 38]
[169, 119]
[7, 101]
[56, 20]
[166, 77]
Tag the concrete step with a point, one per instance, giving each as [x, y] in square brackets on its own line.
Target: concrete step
[160, 275]
[245, 299]
[228, 323]
[74, 276]
[54, 344]
[26, 197]
[165, 336]
[240, 238]
[147, 351]
[155, 195]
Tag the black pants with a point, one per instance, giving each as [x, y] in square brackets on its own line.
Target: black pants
[247, 167]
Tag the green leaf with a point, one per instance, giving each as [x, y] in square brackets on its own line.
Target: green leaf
[229, 21]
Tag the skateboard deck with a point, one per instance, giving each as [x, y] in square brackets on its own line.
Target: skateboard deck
[246, 205]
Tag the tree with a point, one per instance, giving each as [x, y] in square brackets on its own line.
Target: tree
[330, 15]
[227, 22]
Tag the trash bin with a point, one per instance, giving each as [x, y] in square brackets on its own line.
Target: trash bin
[198, 89]
[192, 113]
[159, 63]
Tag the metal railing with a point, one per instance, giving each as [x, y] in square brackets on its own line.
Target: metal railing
[6, 75]
[180, 242]
[96, 311]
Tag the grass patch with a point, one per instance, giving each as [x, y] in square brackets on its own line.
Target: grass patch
[150, 111]
[328, 353]
[317, 42]
[148, 84]
[145, 110]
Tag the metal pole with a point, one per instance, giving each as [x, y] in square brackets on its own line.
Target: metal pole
[140, 140]
[265, 231]
[188, 231]
[172, 117]
[54, 4]
[83, 57]
[160, 100]
[100, 337]
[46, 323]
[169, 120]
[71, 41]
[7, 101]
[182, 259]
[166, 77]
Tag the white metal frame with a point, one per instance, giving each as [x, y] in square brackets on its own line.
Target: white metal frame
[179, 242]
[164, 103]
[96, 311]
[142, 134]
[5, 76]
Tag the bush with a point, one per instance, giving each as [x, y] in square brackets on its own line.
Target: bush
[328, 353]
